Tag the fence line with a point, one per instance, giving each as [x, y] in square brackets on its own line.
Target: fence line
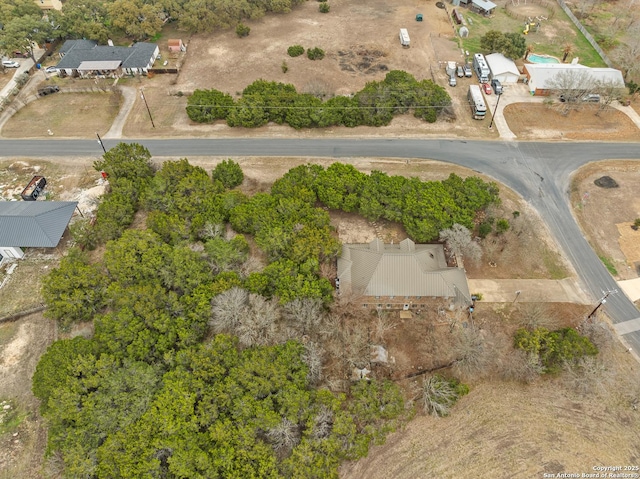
[510, 10]
[586, 34]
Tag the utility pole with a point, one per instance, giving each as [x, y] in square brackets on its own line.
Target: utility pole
[602, 301]
[100, 142]
[147, 105]
[495, 111]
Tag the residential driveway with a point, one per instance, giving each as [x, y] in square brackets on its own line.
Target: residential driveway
[530, 290]
[631, 288]
[129, 98]
[25, 65]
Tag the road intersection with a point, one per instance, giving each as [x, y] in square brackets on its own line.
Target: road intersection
[539, 171]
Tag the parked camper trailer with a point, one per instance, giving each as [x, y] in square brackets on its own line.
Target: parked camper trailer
[476, 101]
[481, 67]
[404, 37]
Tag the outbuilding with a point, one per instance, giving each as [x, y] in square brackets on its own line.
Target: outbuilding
[502, 68]
[37, 224]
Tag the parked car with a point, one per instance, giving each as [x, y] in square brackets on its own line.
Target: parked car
[591, 98]
[497, 86]
[467, 71]
[48, 90]
[10, 64]
[452, 80]
[51, 70]
[459, 71]
[487, 88]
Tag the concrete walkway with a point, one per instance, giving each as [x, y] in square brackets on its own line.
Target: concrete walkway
[129, 96]
[531, 290]
[631, 288]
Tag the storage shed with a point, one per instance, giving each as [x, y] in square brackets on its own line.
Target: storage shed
[503, 68]
[176, 45]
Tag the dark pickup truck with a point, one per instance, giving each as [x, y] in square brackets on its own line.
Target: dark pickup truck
[34, 188]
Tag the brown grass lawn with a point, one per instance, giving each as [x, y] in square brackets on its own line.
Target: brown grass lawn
[67, 115]
[540, 122]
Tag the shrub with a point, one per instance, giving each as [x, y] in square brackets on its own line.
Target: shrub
[484, 229]
[324, 7]
[228, 173]
[636, 224]
[295, 50]
[502, 226]
[242, 30]
[284, 66]
[315, 53]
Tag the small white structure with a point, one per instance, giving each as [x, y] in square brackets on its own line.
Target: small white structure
[502, 68]
[404, 37]
[7, 253]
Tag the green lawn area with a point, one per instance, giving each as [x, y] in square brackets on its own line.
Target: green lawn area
[553, 36]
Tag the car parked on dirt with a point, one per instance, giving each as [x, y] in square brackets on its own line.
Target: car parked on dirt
[48, 90]
[467, 71]
[51, 70]
[487, 88]
[459, 71]
[10, 64]
[591, 98]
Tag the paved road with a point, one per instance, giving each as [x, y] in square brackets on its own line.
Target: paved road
[539, 171]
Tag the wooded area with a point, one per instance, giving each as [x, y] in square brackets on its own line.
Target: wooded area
[209, 356]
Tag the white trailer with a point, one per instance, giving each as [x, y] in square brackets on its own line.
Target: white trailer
[481, 67]
[404, 37]
[476, 102]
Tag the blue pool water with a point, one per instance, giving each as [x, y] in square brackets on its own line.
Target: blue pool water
[533, 58]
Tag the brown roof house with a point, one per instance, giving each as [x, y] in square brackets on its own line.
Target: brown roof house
[400, 276]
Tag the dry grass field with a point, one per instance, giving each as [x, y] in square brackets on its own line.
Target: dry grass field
[66, 115]
[600, 210]
[540, 122]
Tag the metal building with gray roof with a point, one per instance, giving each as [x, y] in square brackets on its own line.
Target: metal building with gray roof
[34, 223]
[400, 274]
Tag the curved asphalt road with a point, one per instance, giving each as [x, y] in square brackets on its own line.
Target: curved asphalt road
[539, 171]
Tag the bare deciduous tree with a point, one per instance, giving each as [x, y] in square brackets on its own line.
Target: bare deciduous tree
[598, 332]
[257, 326]
[382, 325]
[312, 357]
[285, 436]
[227, 309]
[459, 240]
[536, 315]
[587, 375]
[472, 352]
[322, 423]
[522, 367]
[572, 86]
[306, 314]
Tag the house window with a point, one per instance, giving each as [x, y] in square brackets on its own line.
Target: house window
[365, 305]
[379, 306]
[377, 297]
[388, 305]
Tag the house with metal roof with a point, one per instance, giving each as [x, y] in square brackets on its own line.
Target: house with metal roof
[85, 58]
[37, 224]
[540, 76]
[484, 7]
[400, 276]
[502, 68]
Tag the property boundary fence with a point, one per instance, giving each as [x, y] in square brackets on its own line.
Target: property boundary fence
[586, 34]
[511, 7]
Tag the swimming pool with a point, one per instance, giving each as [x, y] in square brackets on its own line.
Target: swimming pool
[533, 58]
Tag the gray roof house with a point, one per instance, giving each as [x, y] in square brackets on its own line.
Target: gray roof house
[405, 271]
[86, 58]
[34, 223]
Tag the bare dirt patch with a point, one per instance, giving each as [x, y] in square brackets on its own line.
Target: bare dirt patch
[21, 455]
[536, 122]
[599, 210]
[66, 115]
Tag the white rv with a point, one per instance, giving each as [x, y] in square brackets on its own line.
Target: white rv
[404, 37]
[476, 102]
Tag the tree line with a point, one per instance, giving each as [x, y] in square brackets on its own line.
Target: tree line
[375, 105]
[100, 20]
